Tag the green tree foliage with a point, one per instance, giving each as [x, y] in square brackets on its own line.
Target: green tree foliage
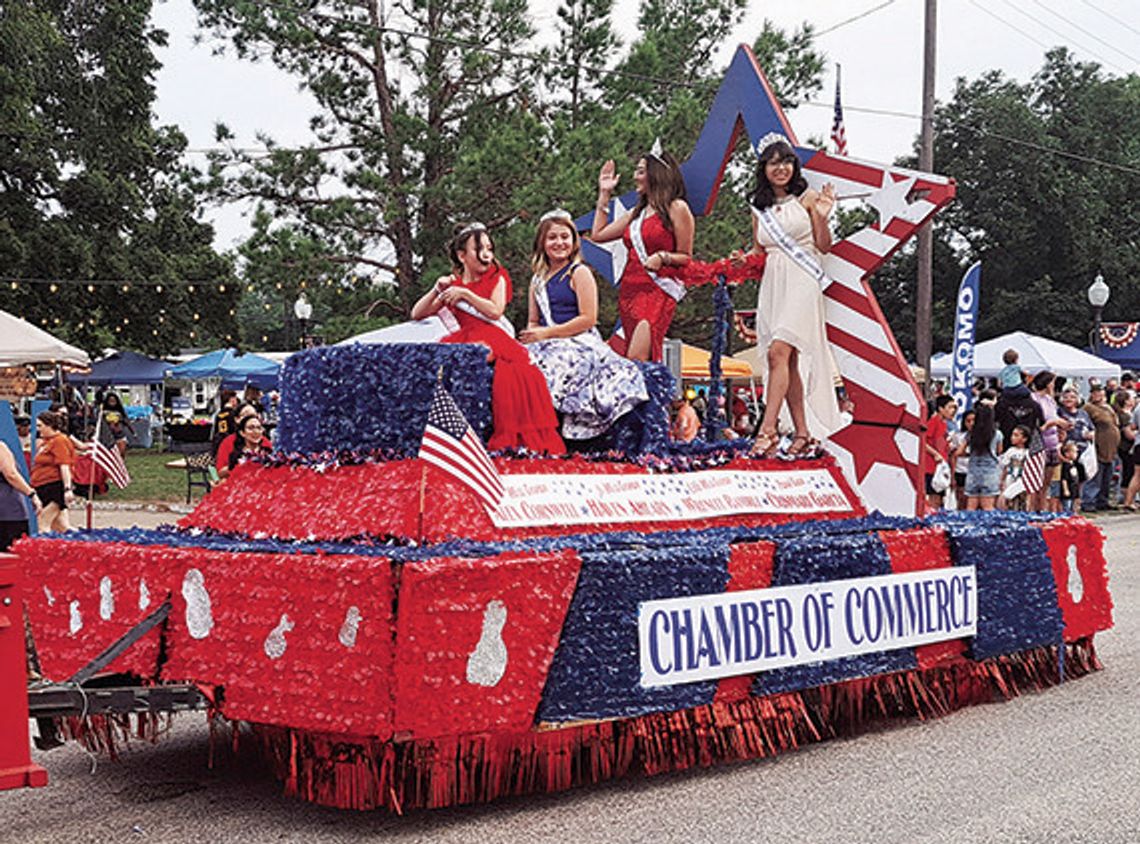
[1038, 202]
[90, 190]
[398, 90]
[436, 112]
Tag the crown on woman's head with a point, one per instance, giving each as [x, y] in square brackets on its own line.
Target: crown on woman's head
[471, 228]
[768, 140]
[556, 214]
[658, 152]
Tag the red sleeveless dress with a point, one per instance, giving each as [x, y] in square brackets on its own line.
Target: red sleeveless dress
[522, 411]
[639, 297]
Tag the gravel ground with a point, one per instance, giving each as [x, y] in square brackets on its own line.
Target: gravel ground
[1057, 766]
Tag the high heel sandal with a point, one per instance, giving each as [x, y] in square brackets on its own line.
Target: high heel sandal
[767, 443]
[806, 446]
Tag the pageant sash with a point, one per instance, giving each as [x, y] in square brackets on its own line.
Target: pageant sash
[542, 297]
[449, 320]
[802, 258]
[672, 288]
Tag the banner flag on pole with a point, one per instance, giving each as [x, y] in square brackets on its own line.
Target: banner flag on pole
[451, 444]
[965, 329]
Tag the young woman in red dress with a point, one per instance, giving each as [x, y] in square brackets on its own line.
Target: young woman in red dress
[471, 303]
[658, 232]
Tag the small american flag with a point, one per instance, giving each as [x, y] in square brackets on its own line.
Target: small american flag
[1033, 472]
[451, 444]
[111, 461]
[838, 132]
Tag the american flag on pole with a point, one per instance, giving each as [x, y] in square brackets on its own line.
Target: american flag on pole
[1033, 472]
[110, 461]
[451, 444]
[838, 132]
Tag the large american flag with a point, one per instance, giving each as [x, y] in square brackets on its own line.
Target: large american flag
[838, 132]
[110, 461]
[451, 444]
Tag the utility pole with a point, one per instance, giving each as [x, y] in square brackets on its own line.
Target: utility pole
[925, 292]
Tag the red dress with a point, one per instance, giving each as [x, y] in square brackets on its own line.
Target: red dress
[521, 408]
[639, 297]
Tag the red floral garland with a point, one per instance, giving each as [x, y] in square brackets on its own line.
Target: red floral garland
[736, 270]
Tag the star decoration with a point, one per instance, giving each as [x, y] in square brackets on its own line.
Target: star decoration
[868, 445]
[890, 201]
[870, 360]
[608, 258]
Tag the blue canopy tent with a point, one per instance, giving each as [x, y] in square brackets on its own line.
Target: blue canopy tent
[235, 369]
[126, 368]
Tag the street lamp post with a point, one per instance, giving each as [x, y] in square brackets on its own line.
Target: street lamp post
[1098, 298]
[303, 310]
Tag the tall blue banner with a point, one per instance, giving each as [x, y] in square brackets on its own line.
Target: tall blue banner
[965, 325]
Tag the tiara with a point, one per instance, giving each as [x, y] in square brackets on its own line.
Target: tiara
[658, 152]
[470, 228]
[556, 214]
[768, 140]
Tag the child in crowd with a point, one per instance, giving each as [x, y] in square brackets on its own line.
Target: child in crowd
[959, 440]
[1012, 465]
[1010, 374]
[1072, 478]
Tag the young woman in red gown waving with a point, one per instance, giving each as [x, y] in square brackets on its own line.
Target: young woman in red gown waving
[658, 232]
[471, 302]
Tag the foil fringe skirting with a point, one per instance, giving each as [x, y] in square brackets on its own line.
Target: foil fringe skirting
[358, 773]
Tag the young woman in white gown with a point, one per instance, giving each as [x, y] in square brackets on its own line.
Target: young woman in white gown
[789, 225]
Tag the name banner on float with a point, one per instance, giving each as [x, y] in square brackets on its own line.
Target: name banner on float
[965, 324]
[704, 637]
[541, 500]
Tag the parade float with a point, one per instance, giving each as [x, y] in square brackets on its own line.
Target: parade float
[383, 638]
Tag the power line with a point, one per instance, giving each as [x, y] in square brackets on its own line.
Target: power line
[1014, 27]
[1081, 29]
[1066, 38]
[854, 18]
[1123, 168]
[1112, 17]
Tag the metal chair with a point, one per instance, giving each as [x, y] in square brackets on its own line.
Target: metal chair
[198, 465]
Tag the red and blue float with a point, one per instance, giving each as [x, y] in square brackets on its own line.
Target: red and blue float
[391, 643]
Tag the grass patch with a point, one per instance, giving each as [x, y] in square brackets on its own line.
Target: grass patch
[150, 479]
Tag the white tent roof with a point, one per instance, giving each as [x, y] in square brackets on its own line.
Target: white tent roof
[1036, 353]
[21, 343]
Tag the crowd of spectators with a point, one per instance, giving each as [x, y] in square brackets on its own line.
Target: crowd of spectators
[1089, 443]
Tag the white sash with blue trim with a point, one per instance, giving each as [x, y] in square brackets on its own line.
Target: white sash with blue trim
[672, 288]
[803, 259]
[452, 324]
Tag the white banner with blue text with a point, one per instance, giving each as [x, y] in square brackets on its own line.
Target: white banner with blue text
[579, 499]
[704, 637]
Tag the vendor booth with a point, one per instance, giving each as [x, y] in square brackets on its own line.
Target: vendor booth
[1034, 355]
[232, 368]
[144, 376]
[23, 344]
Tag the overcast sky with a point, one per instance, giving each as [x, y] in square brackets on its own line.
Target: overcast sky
[880, 51]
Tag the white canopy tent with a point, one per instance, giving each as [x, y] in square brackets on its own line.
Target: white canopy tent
[22, 344]
[1035, 354]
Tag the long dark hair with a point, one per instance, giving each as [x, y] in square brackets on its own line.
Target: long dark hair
[239, 441]
[982, 434]
[663, 184]
[764, 196]
[460, 235]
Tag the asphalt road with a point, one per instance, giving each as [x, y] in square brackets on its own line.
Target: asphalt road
[1062, 765]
